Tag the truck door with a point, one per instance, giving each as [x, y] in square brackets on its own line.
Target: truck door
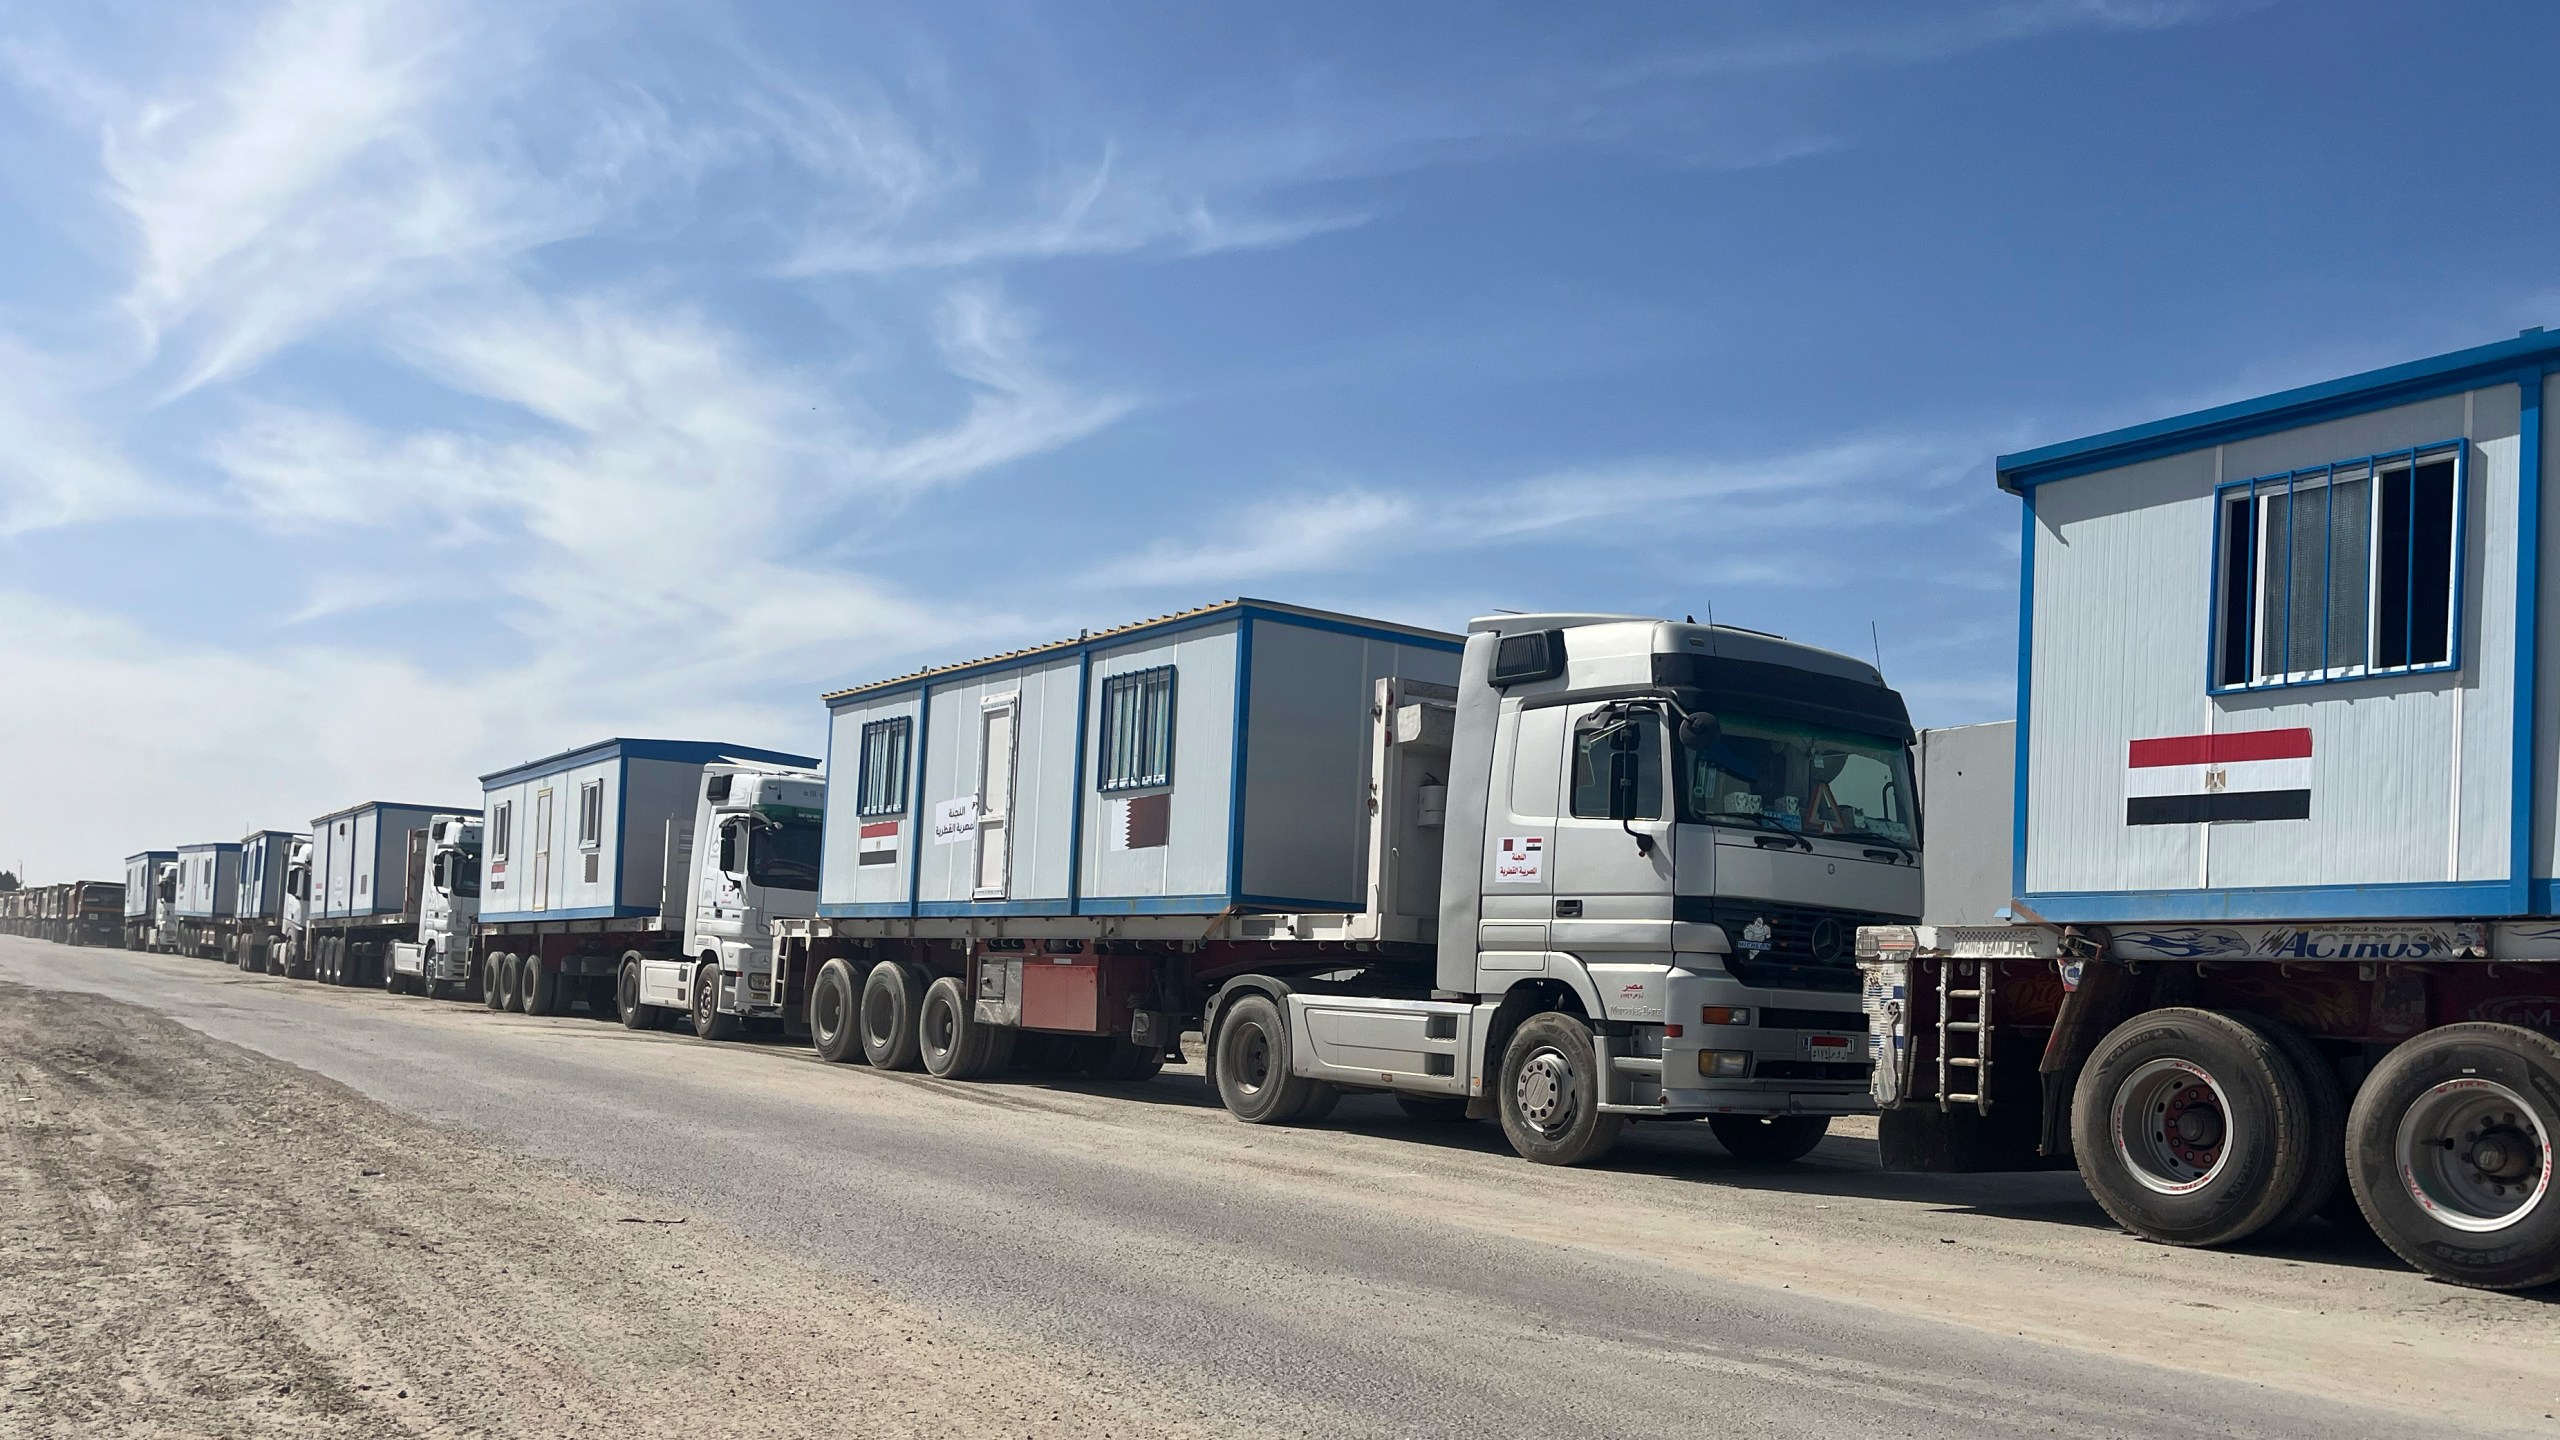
[541, 850]
[1613, 890]
[1520, 821]
[995, 797]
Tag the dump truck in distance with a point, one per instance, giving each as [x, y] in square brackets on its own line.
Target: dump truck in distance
[1566, 872]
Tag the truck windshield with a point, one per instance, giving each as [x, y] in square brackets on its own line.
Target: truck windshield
[1781, 774]
[784, 855]
[466, 874]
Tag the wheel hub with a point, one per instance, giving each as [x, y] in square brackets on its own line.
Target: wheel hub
[2475, 1154]
[1544, 1091]
[2171, 1122]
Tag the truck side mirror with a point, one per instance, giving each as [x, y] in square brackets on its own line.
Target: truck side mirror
[1700, 730]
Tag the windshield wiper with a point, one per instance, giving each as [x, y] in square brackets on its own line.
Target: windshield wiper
[1764, 820]
[1909, 851]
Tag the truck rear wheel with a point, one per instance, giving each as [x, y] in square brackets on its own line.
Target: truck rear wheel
[951, 1042]
[249, 955]
[2450, 1149]
[892, 997]
[509, 979]
[537, 986]
[1117, 1059]
[2192, 1127]
[487, 976]
[708, 1022]
[1254, 1078]
[2324, 1178]
[1769, 1137]
[835, 1003]
[1551, 1093]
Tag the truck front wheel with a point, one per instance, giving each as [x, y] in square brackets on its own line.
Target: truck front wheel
[1769, 1137]
[834, 1006]
[708, 1022]
[2192, 1127]
[1551, 1093]
[2449, 1147]
[892, 999]
[626, 986]
[1255, 1082]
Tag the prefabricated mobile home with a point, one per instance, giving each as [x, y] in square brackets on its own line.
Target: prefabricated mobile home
[1210, 761]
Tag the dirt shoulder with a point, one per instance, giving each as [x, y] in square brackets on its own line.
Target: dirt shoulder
[197, 1240]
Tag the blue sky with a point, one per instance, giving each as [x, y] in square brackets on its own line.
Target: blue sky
[389, 392]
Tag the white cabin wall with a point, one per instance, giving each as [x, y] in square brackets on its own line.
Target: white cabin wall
[1194, 859]
[843, 879]
[2546, 748]
[2122, 560]
[660, 792]
[2411, 776]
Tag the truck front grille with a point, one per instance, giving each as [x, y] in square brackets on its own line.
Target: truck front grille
[1786, 947]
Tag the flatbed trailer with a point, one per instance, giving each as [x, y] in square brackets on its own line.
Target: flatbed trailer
[2271, 931]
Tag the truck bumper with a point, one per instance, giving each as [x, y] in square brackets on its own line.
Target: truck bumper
[1802, 1052]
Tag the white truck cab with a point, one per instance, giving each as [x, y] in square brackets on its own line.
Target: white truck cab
[438, 962]
[753, 860]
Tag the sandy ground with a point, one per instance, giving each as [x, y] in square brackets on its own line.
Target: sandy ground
[198, 1241]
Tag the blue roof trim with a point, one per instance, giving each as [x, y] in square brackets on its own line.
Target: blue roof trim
[1139, 635]
[688, 752]
[319, 820]
[216, 846]
[2463, 899]
[2476, 368]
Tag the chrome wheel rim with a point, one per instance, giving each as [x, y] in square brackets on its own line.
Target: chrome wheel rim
[2172, 1125]
[706, 993]
[1252, 1059]
[1546, 1092]
[2475, 1155]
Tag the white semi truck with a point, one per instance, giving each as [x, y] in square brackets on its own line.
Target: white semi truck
[1568, 872]
[436, 960]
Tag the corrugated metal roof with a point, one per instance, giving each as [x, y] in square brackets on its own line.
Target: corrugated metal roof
[1198, 612]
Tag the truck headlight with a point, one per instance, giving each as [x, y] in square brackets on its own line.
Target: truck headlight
[1724, 1064]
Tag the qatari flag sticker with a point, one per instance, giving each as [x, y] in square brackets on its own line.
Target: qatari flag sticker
[2205, 779]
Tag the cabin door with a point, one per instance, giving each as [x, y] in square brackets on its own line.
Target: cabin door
[541, 850]
[995, 797]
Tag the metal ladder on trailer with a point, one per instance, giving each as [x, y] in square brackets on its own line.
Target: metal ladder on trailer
[1972, 985]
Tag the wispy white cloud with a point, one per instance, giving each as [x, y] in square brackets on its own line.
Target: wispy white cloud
[1908, 35]
[57, 466]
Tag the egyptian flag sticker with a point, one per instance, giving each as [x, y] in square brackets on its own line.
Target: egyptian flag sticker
[879, 844]
[2203, 779]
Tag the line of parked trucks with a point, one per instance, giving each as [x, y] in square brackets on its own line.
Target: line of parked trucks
[2250, 932]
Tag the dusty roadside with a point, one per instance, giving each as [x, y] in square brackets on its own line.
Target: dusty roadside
[196, 1240]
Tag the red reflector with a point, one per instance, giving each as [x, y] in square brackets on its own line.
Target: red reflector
[1671, 1032]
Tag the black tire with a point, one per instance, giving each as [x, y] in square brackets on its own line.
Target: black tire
[537, 986]
[2192, 1128]
[2324, 1176]
[1433, 1109]
[249, 956]
[510, 979]
[492, 981]
[892, 997]
[949, 1039]
[708, 1022]
[2450, 1148]
[1778, 1138]
[1254, 1078]
[835, 1004]
[1550, 1098]
[333, 959]
[635, 1015]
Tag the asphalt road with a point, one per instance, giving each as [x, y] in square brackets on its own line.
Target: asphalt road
[1376, 1276]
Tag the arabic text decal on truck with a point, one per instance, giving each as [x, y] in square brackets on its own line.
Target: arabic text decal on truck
[1566, 872]
[2271, 930]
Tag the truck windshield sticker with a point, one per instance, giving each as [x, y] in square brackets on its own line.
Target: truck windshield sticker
[955, 820]
[2213, 779]
[1523, 860]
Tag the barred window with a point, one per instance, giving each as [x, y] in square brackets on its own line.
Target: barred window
[1137, 730]
[881, 786]
[2340, 570]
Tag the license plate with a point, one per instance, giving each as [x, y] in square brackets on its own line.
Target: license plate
[1838, 1049]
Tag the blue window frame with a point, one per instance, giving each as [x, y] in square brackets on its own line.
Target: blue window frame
[2340, 571]
[1137, 731]
[881, 788]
